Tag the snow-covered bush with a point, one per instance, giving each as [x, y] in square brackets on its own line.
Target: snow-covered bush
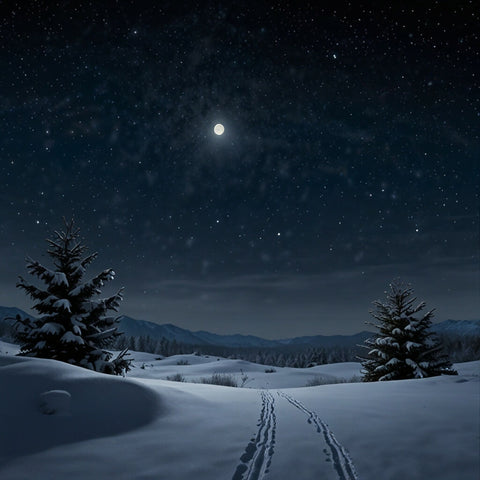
[319, 380]
[223, 379]
[176, 377]
[73, 326]
[404, 346]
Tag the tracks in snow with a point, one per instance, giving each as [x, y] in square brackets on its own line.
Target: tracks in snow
[342, 462]
[257, 458]
[255, 462]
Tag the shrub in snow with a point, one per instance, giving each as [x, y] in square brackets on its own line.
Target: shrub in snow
[176, 377]
[223, 379]
[318, 380]
[73, 326]
[404, 346]
[243, 378]
[55, 402]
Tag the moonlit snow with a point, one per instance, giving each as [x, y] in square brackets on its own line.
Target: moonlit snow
[65, 422]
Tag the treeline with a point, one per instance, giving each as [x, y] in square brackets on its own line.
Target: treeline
[298, 356]
[6, 331]
[459, 348]
[287, 356]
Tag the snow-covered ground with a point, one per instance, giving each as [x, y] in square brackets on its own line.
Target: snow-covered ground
[96, 426]
[251, 375]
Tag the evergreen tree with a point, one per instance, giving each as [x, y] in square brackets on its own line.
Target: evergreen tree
[403, 347]
[73, 326]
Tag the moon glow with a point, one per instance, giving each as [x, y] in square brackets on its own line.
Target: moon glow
[219, 129]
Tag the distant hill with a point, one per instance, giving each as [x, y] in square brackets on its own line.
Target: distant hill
[458, 327]
[12, 312]
[235, 340]
[133, 327]
[136, 328]
[7, 319]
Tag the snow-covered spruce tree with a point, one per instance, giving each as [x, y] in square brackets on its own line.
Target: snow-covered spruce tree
[404, 346]
[73, 326]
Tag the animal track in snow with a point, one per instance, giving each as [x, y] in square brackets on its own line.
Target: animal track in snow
[340, 458]
[255, 462]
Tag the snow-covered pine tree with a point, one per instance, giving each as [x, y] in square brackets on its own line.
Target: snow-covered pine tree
[404, 346]
[73, 326]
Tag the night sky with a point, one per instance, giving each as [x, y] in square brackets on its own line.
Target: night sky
[350, 156]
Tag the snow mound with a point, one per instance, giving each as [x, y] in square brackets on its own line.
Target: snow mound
[55, 402]
[45, 403]
[8, 348]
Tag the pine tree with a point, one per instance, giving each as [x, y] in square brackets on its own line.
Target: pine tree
[404, 347]
[73, 326]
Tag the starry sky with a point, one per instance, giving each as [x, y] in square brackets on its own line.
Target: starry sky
[350, 155]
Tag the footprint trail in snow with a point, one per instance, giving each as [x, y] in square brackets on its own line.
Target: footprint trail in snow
[255, 462]
[342, 462]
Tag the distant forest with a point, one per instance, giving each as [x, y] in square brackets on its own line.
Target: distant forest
[459, 348]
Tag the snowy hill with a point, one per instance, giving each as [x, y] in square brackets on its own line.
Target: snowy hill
[64, 422]
[195, 369]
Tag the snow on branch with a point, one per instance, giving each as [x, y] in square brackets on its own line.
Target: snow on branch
[417, 371]
[70, 337]
[101, 335]
[93, 286]
[59, 278]
[410, 345]
[32, 290]
[88, 260]
[35, 268]
[64, 304]
[52, 328]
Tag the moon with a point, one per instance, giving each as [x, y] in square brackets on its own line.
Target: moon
[219, 129]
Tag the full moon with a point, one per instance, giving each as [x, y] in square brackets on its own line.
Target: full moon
[219, 129]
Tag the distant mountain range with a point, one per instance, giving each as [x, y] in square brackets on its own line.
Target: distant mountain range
[137, 328]
[132, 327]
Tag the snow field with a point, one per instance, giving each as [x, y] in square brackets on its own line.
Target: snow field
[149, 428]
[203, 367]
